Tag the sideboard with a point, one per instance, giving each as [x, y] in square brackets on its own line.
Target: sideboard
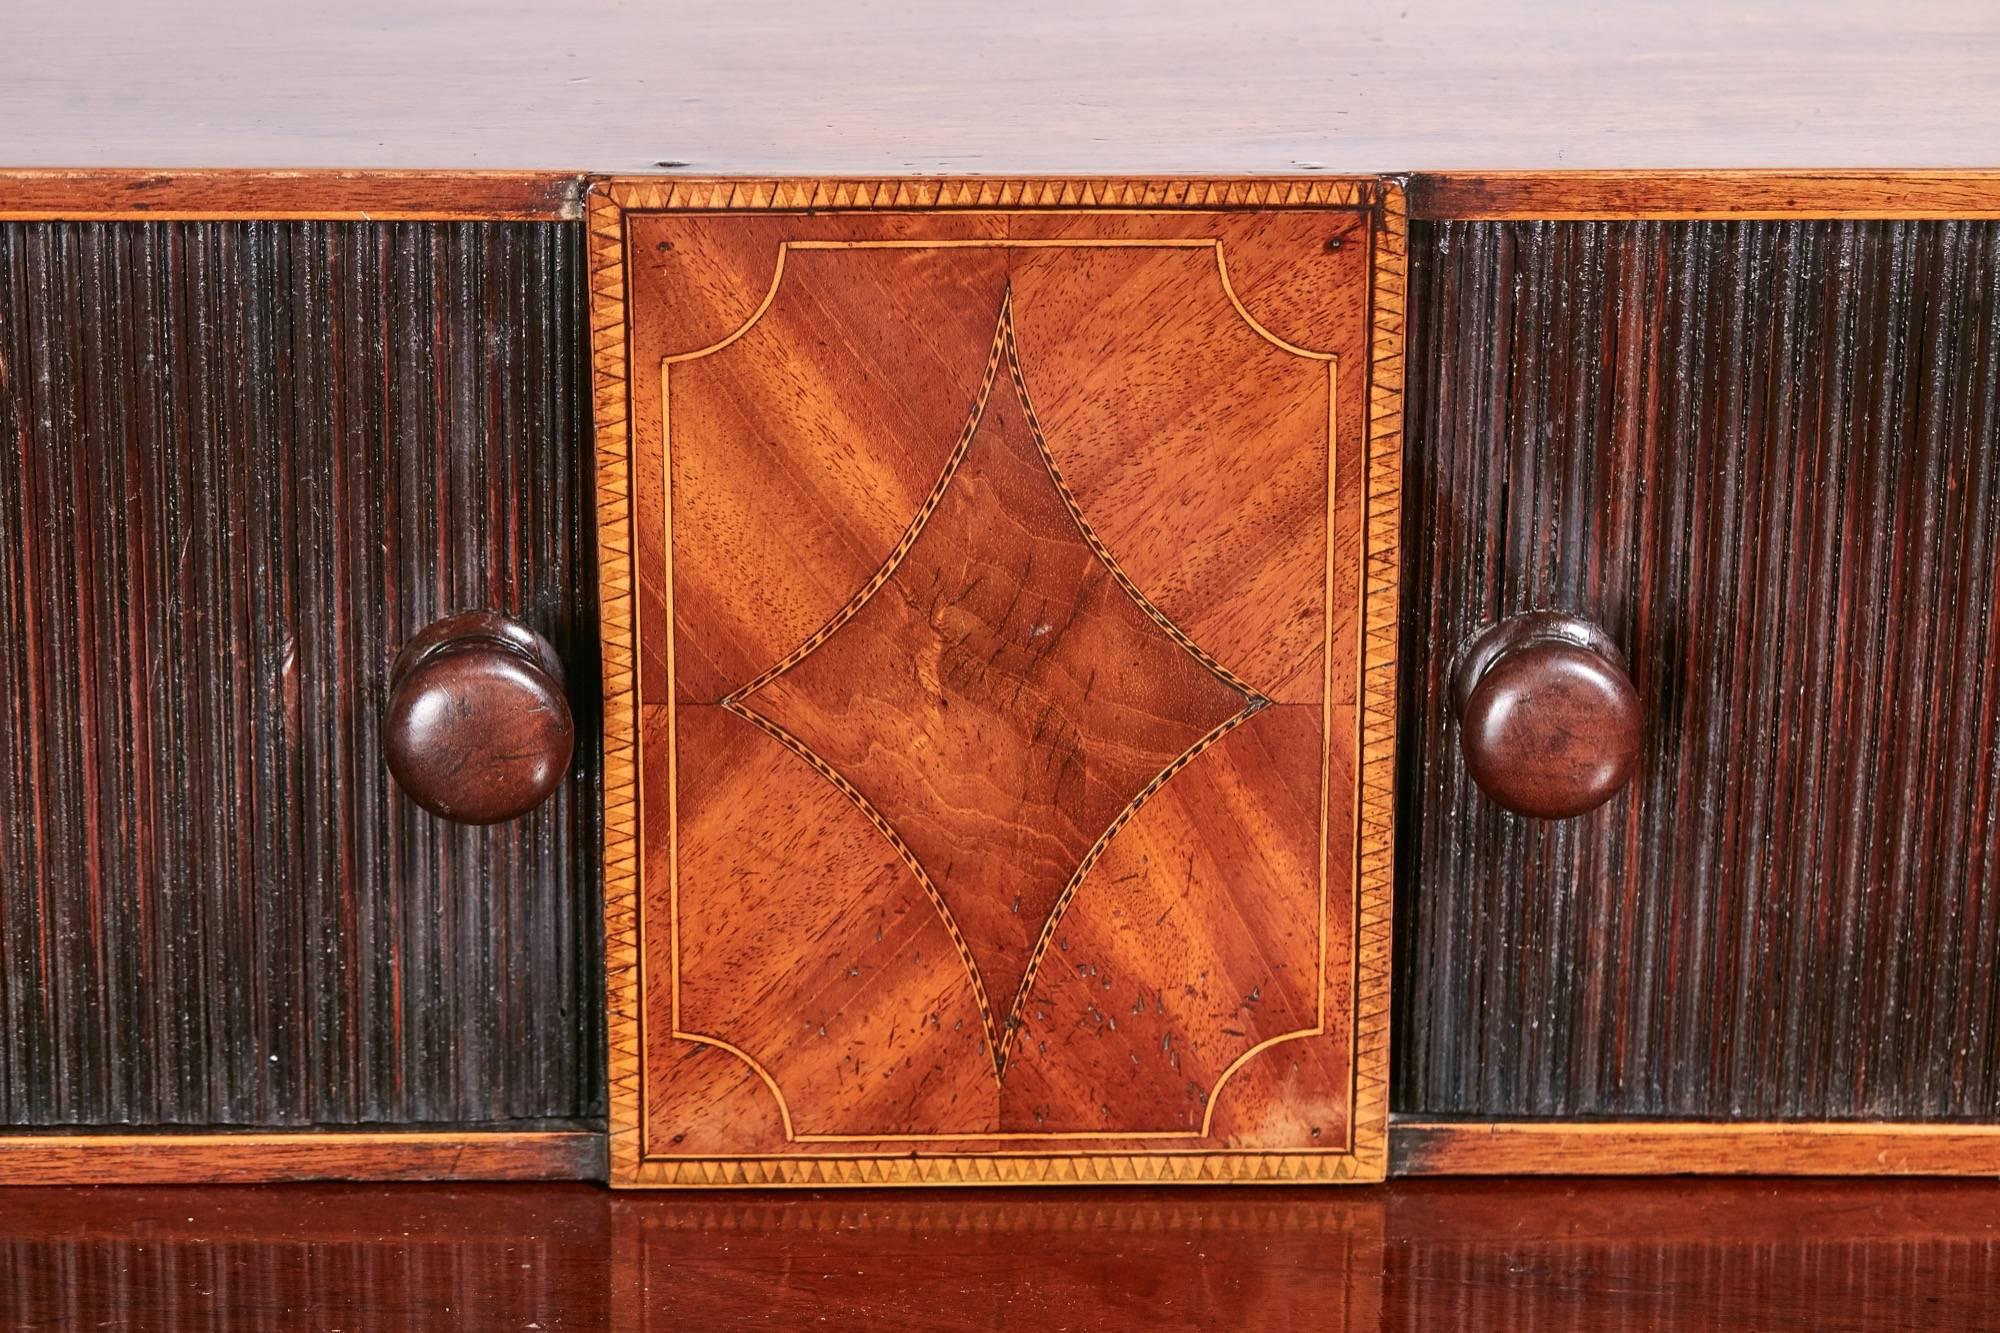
[1220, 654]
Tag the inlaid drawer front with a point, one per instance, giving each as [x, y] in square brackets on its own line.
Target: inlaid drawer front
[999, 613]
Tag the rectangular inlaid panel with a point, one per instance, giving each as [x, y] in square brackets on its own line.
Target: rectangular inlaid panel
[1004, 665]
[240, 464]
[1765, 457]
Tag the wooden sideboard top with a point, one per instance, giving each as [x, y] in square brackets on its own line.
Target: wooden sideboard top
[846, 87]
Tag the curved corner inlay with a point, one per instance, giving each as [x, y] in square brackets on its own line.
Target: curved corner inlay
[756, 1067]
[763, 306]
[1256, 325]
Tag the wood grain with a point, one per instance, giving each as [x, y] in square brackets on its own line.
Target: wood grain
[1411, 1255]
[1558, 196]
[896, 429]
[1646, 1255]
[1168, 87]
[575, 1153]
[478, 726]
[244, 463]
[249, 195]
[1760, 455]
[1735, 1148]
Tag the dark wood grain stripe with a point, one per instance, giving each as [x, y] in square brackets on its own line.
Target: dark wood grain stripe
[240, 463]
[1766, 458]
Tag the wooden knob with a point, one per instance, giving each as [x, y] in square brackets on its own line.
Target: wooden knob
[1548, 720]
[478, 729]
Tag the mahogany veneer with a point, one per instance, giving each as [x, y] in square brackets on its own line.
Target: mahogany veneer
[998, 690]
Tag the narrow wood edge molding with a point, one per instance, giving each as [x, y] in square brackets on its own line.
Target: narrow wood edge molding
[240, 194]
[1375, 776]
[1655, 1147]
[618, 647]
[202, 1157]
[1127, 1167]
[1565, 196]
[233, 195]
[654, 194]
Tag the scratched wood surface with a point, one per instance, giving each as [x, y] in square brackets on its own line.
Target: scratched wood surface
[244, 463]
[998, 579]
[1763, 456]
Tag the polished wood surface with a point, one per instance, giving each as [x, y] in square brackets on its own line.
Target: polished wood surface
[244, 463]
[570, 1152]
[403, 195]
[1761, 456]
[1611, 1256]
[1548, 721]
[1691, 1147]
[840, 87]
[1416, 1256]
[478, 729]
[134, 194]
[955, 603]
[1557, 196]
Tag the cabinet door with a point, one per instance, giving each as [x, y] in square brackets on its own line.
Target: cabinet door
[247, 462]
[999, 605]
[1763, 459]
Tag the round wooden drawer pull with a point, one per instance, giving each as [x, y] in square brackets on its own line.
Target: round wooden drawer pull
[478, 729]
[1548, 720]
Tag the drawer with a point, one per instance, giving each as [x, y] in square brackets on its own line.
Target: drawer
[1761, 459]
[245, 464]
[998, 644]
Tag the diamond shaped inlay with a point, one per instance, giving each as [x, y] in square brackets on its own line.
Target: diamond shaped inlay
[999, 698]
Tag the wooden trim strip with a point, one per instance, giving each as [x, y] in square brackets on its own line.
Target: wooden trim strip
[1126, 1167]
[1375, 769]
[247, 1158]
[98, 194]
[655, 194]
[333, 196]
[1695, 1148]
[618, 652]
[1563, 196]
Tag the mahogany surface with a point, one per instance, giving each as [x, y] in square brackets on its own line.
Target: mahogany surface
[999, 748]
[1548, 720]
[845, 87]
[478, 729]
[1626, 1146]
[1603, 1256]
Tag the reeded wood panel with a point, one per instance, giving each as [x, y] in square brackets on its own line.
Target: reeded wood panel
[242, 464]
[1001, 583]
[1765, 457]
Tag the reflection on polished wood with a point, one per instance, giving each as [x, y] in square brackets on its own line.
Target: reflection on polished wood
[1411, 1255]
